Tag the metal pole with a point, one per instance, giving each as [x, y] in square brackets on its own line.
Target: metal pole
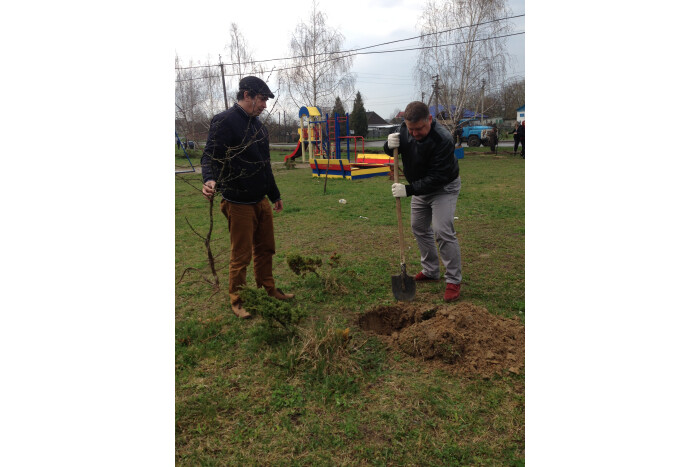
[223, 81]
[347, 131]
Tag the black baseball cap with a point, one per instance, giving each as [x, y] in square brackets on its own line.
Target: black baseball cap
[255, 84]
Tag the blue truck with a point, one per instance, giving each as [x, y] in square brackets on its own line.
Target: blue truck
[472, 133]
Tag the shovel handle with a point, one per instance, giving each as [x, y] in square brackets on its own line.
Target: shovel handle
[398, 204]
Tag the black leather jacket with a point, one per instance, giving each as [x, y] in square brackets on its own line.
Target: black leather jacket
[428, 164]
[237, 157]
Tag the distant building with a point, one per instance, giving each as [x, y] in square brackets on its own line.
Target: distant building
[374, 119]
[520, 114]
[399, 118]
[377, 126]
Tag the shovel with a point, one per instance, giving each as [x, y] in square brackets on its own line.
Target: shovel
[402, 285]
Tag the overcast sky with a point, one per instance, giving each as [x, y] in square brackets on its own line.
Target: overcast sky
[385, 80]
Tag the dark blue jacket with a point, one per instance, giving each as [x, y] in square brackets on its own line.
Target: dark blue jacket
[429, 164]
[237, 157]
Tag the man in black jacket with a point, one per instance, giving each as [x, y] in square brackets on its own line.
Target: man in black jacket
[432, 171]
[236, 163]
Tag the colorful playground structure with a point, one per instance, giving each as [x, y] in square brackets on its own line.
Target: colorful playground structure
[326, 142]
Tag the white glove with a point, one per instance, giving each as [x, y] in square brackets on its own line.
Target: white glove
[393, 141]
[398, 190]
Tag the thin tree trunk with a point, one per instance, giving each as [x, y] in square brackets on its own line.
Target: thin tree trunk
[207, 243]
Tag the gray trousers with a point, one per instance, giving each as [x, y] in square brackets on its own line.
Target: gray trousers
[438, 209]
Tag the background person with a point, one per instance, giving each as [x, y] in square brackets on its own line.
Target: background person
[521, 136]
[236, 162]
[432, 171]
[493, 139]
[516, 137]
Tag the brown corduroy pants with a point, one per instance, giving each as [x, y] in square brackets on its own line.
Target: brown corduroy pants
[252, 237]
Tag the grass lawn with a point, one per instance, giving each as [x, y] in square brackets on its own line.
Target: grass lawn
[246, 395]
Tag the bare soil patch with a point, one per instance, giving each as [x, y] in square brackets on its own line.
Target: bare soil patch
[461, 338]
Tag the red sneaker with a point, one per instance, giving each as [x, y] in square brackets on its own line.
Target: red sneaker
[452, 292]
[423, 278]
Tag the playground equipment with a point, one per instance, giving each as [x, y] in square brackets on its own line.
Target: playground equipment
[322, 139]
[188, 157]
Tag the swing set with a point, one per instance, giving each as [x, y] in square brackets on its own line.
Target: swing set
[188, 157]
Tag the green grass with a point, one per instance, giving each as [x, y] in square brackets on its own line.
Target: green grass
[277, 155]
[246, 398]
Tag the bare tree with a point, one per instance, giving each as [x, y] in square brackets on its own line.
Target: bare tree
[318, 71]
[198, 97]
[393, 114]
[212, 92]
[188, 95]
[462, 60]
[241, 57]
[512, 96]
[504, 100]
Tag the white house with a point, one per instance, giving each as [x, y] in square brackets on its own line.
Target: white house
[520, 113]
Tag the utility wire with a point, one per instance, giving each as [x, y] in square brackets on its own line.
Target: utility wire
[371, 53]
[439, 45]
[349, 51]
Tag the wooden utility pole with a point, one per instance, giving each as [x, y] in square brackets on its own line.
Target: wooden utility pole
[223, 81]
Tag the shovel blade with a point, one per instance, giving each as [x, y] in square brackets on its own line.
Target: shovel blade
[404, 287]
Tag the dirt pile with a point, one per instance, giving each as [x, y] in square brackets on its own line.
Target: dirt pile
[462, 337]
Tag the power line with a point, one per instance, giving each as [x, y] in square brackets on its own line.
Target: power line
[349, 51]
[440, 45]
[372, 53]
[441, 32]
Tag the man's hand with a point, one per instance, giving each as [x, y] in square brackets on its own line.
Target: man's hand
[393, 141]
[208, 189]
[277, 207]
[398, 190]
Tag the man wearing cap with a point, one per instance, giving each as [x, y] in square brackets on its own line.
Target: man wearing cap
[236, 163]
[432, 172]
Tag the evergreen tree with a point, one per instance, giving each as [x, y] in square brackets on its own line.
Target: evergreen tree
[338, 108]
[358, 117]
